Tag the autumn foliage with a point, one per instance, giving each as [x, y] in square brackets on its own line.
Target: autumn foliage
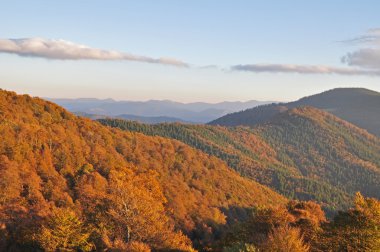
[303, 153]
[71, 183]
[302, 226]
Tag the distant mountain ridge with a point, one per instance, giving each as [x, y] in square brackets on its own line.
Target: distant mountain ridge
[141, 119]
[197, 112]
[358, 106]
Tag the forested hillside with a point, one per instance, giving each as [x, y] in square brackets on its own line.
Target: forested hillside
[358, 106]
[303, 153]
[71, 183]
[326, 148]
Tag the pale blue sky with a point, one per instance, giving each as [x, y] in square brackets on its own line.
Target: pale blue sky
[200, 33]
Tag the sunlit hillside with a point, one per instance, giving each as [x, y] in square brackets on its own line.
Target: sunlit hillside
[119, 186]
[303, 153]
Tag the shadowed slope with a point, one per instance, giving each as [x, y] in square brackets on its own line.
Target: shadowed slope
[356, 105]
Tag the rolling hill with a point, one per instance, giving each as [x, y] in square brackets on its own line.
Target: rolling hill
[358, 106]
[303, 153]
[107, 186]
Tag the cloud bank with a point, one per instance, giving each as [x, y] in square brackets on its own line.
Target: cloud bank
[302, 69]
[66, 50]
[363, 61]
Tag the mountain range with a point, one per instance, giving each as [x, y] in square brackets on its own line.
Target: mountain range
[356, 105]
[141, 119]
[155, 110]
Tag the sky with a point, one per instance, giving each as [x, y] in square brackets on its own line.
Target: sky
[187, 51]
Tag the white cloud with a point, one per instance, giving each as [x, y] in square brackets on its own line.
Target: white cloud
[66, 50]
[302, 69]
[368, 57]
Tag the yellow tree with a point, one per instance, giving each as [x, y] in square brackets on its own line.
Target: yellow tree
[357, 229]
[285, 239]
[139, 214]
[64, 231]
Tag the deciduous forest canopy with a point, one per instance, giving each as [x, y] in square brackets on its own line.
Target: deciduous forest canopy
[303, 153]
[71, 183]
